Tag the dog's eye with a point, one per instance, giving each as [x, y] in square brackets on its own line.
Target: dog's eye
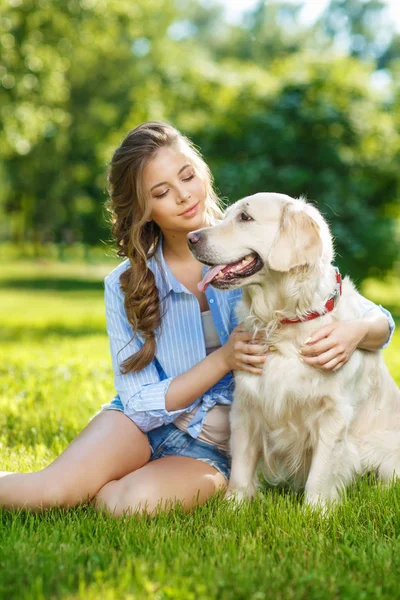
[245, 217]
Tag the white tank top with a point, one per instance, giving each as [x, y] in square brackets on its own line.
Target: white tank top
[216, 428]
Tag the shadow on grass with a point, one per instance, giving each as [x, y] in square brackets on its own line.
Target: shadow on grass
[51, 283]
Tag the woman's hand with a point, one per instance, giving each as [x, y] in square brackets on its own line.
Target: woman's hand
[242, 353]
[331, 347]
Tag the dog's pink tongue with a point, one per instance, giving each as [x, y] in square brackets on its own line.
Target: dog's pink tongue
[208, 277]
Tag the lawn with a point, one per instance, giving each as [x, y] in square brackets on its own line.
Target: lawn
[55, 373]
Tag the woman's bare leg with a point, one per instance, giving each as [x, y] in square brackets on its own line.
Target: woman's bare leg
[109, 447]
[161, 484]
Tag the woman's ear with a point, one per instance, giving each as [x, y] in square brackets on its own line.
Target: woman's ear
[297, 243]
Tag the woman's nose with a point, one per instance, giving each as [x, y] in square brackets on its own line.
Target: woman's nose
[183, 196]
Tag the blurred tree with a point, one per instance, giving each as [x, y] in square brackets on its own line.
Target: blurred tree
[70, 73]
[362, 27]
[322, 134]
[269, 103]
[269, 31]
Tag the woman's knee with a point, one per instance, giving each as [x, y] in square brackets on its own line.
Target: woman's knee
[118, 498]
[109, 498]
[160, 485]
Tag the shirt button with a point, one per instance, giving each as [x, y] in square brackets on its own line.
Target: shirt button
[222, 332]
[211, 300]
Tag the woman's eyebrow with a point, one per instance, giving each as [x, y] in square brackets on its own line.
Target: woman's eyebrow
[163, 182]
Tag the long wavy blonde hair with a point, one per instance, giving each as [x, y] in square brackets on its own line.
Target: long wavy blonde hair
[136, 237]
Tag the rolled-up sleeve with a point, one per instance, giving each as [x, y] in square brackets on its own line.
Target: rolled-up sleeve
[142, 393]
[367, 307]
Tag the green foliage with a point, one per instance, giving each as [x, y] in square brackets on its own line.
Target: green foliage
[320, 134]
[79, 58]
[365, 28]
[270, 103]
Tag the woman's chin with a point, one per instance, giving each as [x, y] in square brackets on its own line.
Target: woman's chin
[196, 222]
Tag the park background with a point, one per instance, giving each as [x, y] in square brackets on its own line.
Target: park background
[301, 98]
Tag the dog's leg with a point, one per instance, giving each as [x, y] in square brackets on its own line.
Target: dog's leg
[245, 451]
[380, 450]
[333, 462]
[244, 462]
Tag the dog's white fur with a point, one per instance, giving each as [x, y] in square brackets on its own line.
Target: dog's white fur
[310, 428]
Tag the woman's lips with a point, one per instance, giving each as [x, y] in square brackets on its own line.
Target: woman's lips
[191, 212]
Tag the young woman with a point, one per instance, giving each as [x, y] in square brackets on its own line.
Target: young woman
[164, 437]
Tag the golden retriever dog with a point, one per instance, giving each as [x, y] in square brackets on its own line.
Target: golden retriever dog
[310, 428]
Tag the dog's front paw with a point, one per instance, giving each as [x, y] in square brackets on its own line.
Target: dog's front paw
[316, 500]
[237, 496]
[319, 503]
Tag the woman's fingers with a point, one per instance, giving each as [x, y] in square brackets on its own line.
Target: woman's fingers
[252, 349]
[251, 359]
[334, 364]
[317, 348]
[339, 366]
[323, 360]
[243, 366]
[321, 333]
[246, 336]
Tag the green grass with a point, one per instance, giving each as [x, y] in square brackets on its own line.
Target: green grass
[55, 372]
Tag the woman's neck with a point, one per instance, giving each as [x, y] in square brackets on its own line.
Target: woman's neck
[175, 248]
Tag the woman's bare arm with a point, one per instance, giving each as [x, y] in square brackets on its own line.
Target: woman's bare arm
[376, 331]
[237, 353]
[331, 347]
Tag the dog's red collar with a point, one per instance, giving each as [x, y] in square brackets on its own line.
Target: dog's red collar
[329, 305]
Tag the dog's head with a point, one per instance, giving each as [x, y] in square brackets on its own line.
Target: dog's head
[263, 232]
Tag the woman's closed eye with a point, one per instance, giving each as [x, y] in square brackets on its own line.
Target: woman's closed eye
[166, 191]
[162, 194]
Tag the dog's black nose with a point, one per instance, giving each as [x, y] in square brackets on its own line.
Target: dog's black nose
[193, 237]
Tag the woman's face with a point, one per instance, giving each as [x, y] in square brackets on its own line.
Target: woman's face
[174, 186]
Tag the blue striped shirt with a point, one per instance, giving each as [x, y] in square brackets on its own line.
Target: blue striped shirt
[180, 346]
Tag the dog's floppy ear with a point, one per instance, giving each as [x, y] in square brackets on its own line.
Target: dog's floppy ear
[298, 241]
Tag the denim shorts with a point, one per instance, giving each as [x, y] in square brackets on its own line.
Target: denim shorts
[168, 440]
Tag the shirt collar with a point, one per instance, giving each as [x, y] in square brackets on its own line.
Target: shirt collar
[164, 278]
